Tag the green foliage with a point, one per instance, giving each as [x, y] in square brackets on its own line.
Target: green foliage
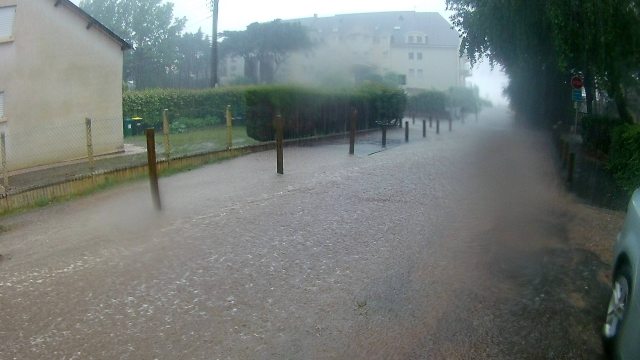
[428, 103]
[149, 26]
[195, 104]
[624, 161]
[597, 131]
[391, 79]
[307, 112]
[270, 43]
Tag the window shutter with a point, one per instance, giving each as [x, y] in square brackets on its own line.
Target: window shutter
[7, 16]
[1, 104]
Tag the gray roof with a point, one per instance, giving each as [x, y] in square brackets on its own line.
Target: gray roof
[432, 24]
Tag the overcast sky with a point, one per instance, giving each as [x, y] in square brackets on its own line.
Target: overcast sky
[237, 14]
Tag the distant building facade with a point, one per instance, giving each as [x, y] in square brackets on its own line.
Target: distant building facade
[58, 66]
[421, 46]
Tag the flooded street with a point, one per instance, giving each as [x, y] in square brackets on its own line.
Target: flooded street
[463, 245]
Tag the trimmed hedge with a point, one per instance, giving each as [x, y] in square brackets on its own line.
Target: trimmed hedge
[624, 161]
[308, 111]
[195, 104]
[428, 103]
[597, 131]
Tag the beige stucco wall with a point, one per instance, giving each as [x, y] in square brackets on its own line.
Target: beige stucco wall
[54, 75]
[440, 66]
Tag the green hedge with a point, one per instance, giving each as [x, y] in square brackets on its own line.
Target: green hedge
[308, 111]
[597, 131]
[428, 103]
[624, 161]
[191, 104]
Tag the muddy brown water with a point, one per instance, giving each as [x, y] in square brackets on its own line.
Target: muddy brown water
[463, 245]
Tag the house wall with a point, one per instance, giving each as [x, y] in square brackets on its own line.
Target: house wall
[55, 74]
[439, 65]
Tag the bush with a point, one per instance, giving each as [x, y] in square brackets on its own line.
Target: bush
[307, 112]
[195, 104]
[624, 161]
[428, 103]
[597, 131]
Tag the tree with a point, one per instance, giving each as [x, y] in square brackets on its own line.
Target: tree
[192, 68]
[541, 44]
[265, 46]
[149, 26]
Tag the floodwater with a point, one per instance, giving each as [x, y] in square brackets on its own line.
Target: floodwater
[462, 245]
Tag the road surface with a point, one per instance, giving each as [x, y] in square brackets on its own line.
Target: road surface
[463, 245]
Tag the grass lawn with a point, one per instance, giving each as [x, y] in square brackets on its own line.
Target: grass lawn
[207, 139]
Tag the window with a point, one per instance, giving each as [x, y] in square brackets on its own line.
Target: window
[410, 56]
[420, 73]
[1, 104]
[7, 16]
[419, 56]
[412, 72]
[419, 39]
[410, 41]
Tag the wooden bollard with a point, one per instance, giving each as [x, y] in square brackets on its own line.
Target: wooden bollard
[406, 131]
[229, 128]
[166, 130]
[153, 168]
[352, 132]
[437, 126]
[400, 122]
[424, 128]
[89, 137]
[384, 136]
[572, 163]
[279, 141]
[565, 154]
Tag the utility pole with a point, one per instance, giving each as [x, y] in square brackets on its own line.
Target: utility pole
[214, 43]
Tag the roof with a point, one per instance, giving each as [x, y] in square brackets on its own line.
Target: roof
[91, 21]
[432, 24]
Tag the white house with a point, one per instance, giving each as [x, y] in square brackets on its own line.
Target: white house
[58, 66]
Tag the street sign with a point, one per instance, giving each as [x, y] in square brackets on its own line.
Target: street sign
[576, 94]
[576, 82]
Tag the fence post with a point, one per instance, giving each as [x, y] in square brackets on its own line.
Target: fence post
[153, 167]
[166, 130]
[424, 128]
[3, 150]
[352, 132]
[450, 126]
[572, 162]
[400, 122]
[384, 136]
[438, 126]
[229, 128]
[279, 139]
[87, 122]
[413, 116]
[406, 131]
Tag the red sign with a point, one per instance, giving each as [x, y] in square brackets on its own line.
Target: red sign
[576, 82]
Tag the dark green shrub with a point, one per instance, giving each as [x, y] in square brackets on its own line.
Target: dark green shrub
[195, 104]
[624, 161]
[307, 112]
[428, 103]
[597, 131]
